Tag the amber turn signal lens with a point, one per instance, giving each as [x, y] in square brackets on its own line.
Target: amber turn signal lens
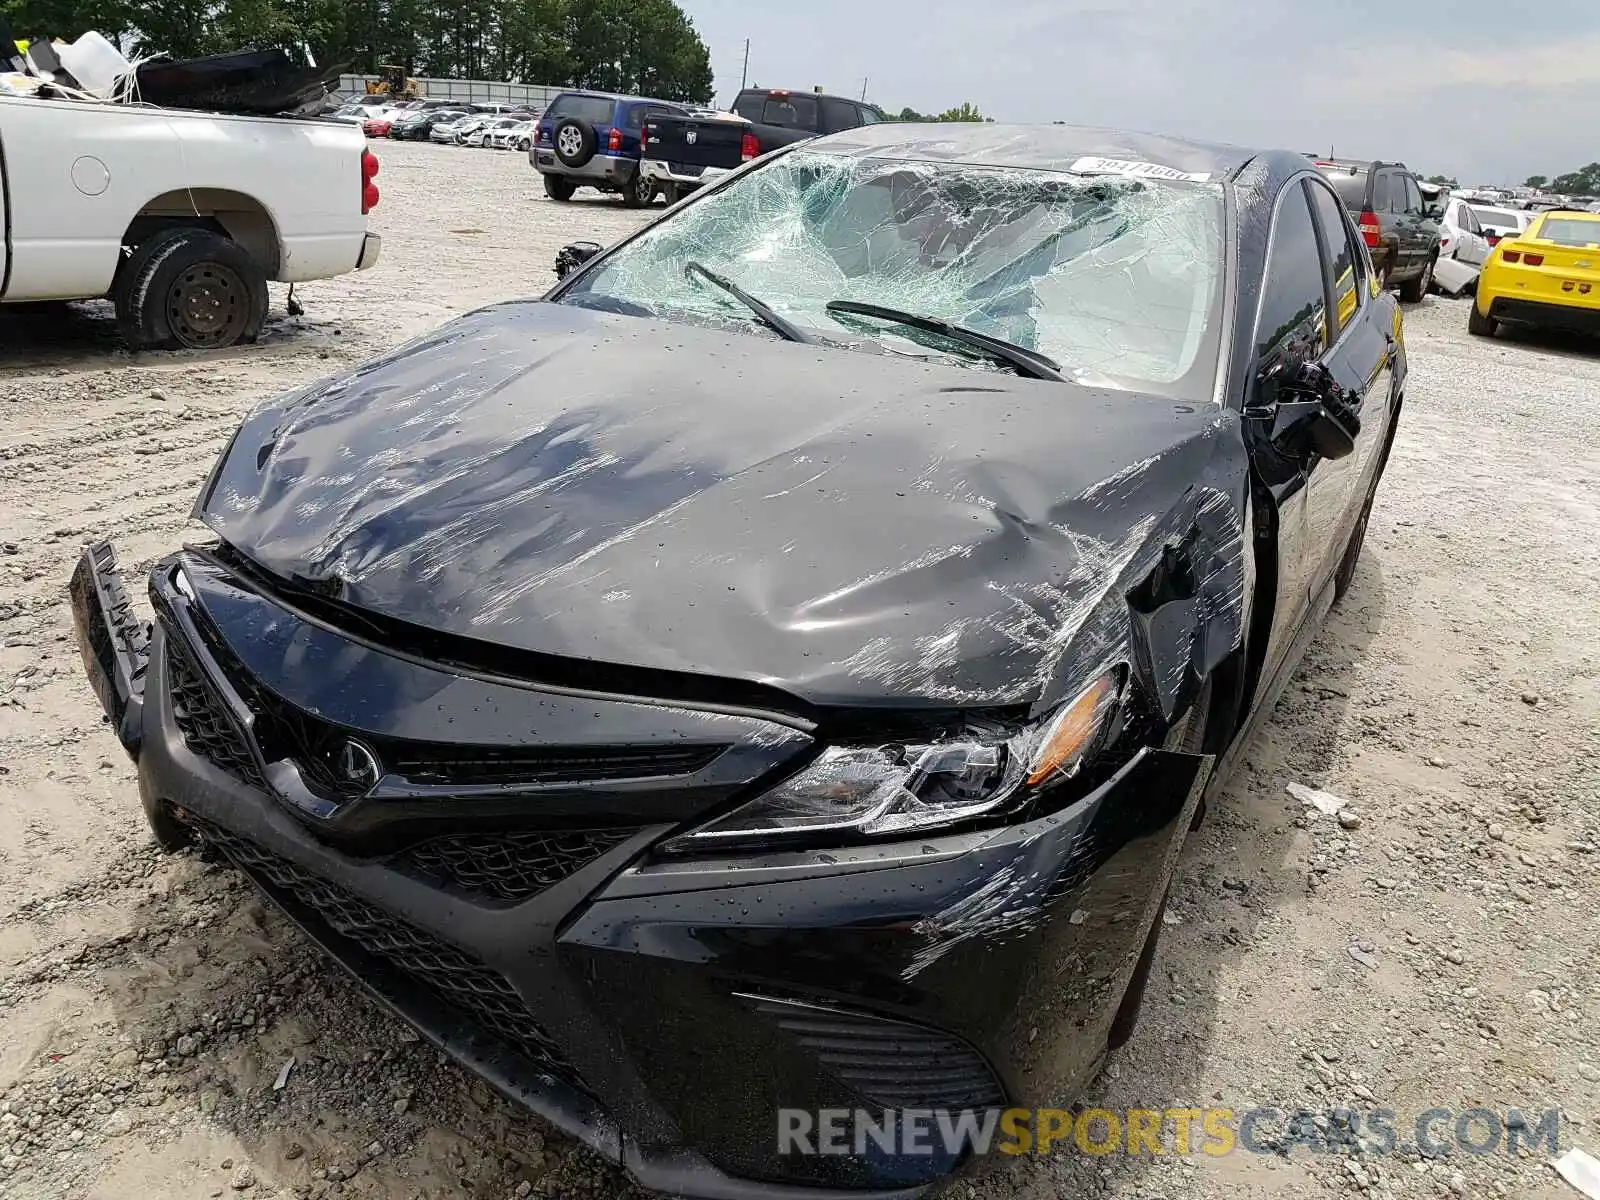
[1073, 732]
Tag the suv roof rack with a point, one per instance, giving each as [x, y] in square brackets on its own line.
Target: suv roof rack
[1354, 165]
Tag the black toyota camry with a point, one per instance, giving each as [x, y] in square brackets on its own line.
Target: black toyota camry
[776, 670]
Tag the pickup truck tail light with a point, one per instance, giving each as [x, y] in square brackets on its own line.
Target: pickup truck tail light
[1371, 231]
[749, 148]
[614, 142]
[369, 190]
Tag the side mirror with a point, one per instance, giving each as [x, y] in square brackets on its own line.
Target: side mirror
[1313, 415]
[573, 256]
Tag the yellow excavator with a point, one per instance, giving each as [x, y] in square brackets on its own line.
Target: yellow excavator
[394, 82]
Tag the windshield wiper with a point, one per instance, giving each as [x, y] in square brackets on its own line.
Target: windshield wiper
[1024, 360]
[761, 308]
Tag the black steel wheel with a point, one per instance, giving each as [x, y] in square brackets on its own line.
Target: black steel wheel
[208, 306]
[190, 287]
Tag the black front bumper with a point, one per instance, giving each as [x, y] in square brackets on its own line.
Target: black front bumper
[664, 1011]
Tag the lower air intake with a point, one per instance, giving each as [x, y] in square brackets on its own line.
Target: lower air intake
[888, 1063]
[460, 980]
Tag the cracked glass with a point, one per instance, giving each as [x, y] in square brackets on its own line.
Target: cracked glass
[1117, 279]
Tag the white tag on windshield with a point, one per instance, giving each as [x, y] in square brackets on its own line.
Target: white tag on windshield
[1123, 166]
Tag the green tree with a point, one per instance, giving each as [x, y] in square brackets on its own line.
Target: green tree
[1536, 181]
[963, 112]
[1444, 181]
[67, 18]
[1582, 182]
[642, 46]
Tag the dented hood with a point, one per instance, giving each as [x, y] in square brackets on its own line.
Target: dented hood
[852, 527]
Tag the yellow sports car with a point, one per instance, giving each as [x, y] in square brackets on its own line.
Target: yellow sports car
[1548, 275]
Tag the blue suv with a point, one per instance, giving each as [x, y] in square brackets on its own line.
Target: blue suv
[593, 139]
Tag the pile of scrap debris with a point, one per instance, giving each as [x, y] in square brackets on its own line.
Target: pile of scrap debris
[250, 82]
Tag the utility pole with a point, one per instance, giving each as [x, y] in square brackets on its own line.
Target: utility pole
[744, 75]
[864, 83]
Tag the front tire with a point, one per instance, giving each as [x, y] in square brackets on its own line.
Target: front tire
[190, 288]
[1480, 325]
[1127, 1018]
[1346, 574]
[558, 188]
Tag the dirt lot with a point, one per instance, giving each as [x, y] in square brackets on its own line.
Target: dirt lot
[147, 1005]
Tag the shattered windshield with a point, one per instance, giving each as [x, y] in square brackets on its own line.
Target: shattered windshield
[1115, 279]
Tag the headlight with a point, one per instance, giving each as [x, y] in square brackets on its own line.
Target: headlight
[899, 789]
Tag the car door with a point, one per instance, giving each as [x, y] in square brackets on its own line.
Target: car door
[5, 222]
[1395, 232]
[1360, 358]
[839, 115]
[1291, 330]
[1386, 254]
[1418, 231]
[1471, 249]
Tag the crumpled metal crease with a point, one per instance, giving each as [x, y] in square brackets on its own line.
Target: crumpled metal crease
[850, 528]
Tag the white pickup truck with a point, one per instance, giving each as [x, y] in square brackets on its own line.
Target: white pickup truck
[179, 217]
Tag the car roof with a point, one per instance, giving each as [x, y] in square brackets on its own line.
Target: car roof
[1356, 165]
[616, 96]
[1039, 147]
[760, 91]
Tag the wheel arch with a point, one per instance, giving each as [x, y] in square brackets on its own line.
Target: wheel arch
[240, 218]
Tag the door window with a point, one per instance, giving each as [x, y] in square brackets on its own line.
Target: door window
[1413, 195]
[840, 114]
[1339, 255]
[1380, 192]
[1293, 327]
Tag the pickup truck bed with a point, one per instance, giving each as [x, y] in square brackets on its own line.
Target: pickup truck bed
[181, 217]
[684, 153]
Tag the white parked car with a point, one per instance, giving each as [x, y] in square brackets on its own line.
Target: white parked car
[516, 136]
[1461, 234]
[1499, 222]
[464, 128]
[179, 217]
[481, 135]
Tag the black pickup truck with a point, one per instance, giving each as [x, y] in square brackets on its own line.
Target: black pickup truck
[684, 153]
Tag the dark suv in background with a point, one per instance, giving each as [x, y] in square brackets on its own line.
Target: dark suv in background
[1400, 229]
[593, 139]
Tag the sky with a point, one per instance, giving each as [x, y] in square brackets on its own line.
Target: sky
[1463, 88]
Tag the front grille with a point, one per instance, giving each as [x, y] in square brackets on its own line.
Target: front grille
[888, 1063]
[507, 868]
[202, 716]
[434, 763]
[286, 731]
[454, 976]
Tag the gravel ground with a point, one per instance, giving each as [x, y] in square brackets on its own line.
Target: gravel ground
[1435, 946]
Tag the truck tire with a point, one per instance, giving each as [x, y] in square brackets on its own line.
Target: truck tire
[559, 188]
[575, 142]
[190, 288]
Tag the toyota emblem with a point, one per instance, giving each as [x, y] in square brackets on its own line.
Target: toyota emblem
[358, 767]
